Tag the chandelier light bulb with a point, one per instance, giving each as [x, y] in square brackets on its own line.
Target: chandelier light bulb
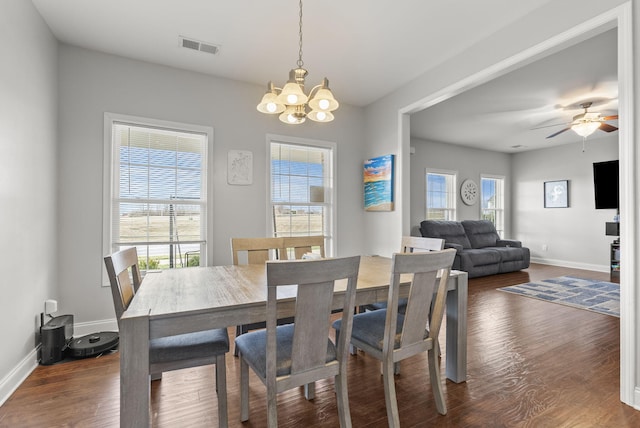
[271, 107]
[292, 99]
[323, 104]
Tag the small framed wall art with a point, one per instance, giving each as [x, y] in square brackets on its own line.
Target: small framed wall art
[240, 167]
[556, 194]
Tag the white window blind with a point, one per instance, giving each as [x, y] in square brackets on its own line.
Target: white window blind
[158, 198]
[301, 190]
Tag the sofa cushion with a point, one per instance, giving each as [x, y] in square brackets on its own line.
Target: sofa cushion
[482, 257]
[481, 233]
[451, 231]
[510, 254]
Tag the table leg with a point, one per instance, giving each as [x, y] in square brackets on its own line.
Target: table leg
[456, 368]
[135, 387]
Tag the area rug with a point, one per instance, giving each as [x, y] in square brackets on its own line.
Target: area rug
[597, 296]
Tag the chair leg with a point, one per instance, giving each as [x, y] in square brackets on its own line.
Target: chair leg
[390, 394]
[221, 389]
[396, 368]
[310, 391]
[436, 384]
[272, 408]
[240, 329]
[244, 390]
[342, 396]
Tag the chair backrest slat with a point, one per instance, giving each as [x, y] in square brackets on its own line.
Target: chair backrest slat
[416, 244]
[124, 278]
[259, 250]
[425, 282]
[304, 244]
[312, 321]
[315, 280]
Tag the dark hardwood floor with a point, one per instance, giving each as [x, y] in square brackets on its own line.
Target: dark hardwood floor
[530, 364]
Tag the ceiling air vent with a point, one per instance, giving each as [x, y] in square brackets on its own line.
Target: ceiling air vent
[199, 46]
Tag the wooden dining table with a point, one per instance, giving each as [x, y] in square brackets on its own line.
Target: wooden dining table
[177, 301]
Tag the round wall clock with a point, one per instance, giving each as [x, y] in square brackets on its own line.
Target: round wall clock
[469, 191]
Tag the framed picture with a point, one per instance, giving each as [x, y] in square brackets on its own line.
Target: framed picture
[556, 194]
[378, 184]
[240, 167]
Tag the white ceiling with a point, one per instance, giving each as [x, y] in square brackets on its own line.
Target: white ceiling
[501, 113]
[367, 49]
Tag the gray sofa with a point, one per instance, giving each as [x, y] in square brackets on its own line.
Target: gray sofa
[480, 251]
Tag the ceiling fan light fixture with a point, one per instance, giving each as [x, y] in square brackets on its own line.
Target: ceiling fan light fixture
[290, 101]
[586, 128]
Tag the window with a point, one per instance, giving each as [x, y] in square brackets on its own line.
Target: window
[441, 195]
[492, 197]
[155, 191]
[301, 189]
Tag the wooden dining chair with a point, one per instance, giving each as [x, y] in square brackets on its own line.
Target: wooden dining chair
[288, 356]
[391, 337]
[409, 244]
[301, 245]
[257, 251]
[173, 352]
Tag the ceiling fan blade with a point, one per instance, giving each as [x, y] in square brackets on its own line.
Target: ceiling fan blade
[607, 128]
[614, 117]
[548, 126]
[559, 132]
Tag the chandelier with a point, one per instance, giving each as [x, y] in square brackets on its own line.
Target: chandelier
[290, 101]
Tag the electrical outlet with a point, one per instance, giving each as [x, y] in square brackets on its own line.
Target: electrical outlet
[545, 247]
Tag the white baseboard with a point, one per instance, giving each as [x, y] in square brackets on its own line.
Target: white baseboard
[14, 379]
[84, 328]
[636, 398]
[573, 265]
[19, 374]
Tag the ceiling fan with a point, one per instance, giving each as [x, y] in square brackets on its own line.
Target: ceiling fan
[584, 124]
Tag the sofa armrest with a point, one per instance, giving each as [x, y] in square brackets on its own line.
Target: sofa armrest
[457, 247]
[508, 243]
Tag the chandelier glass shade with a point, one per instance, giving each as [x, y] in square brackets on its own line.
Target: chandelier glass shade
[291, 103]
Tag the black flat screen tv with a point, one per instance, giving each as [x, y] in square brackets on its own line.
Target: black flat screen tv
[605, 182]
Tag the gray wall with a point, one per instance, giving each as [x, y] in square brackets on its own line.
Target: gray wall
[28, 105]
[468, 163]
[573, 236]
[92, 83]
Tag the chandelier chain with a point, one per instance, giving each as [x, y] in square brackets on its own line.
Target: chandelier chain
[300, 62]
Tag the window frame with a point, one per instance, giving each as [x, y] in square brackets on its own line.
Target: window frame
[499, 212]
[111, 119]
[454, 193]
[331, 195]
